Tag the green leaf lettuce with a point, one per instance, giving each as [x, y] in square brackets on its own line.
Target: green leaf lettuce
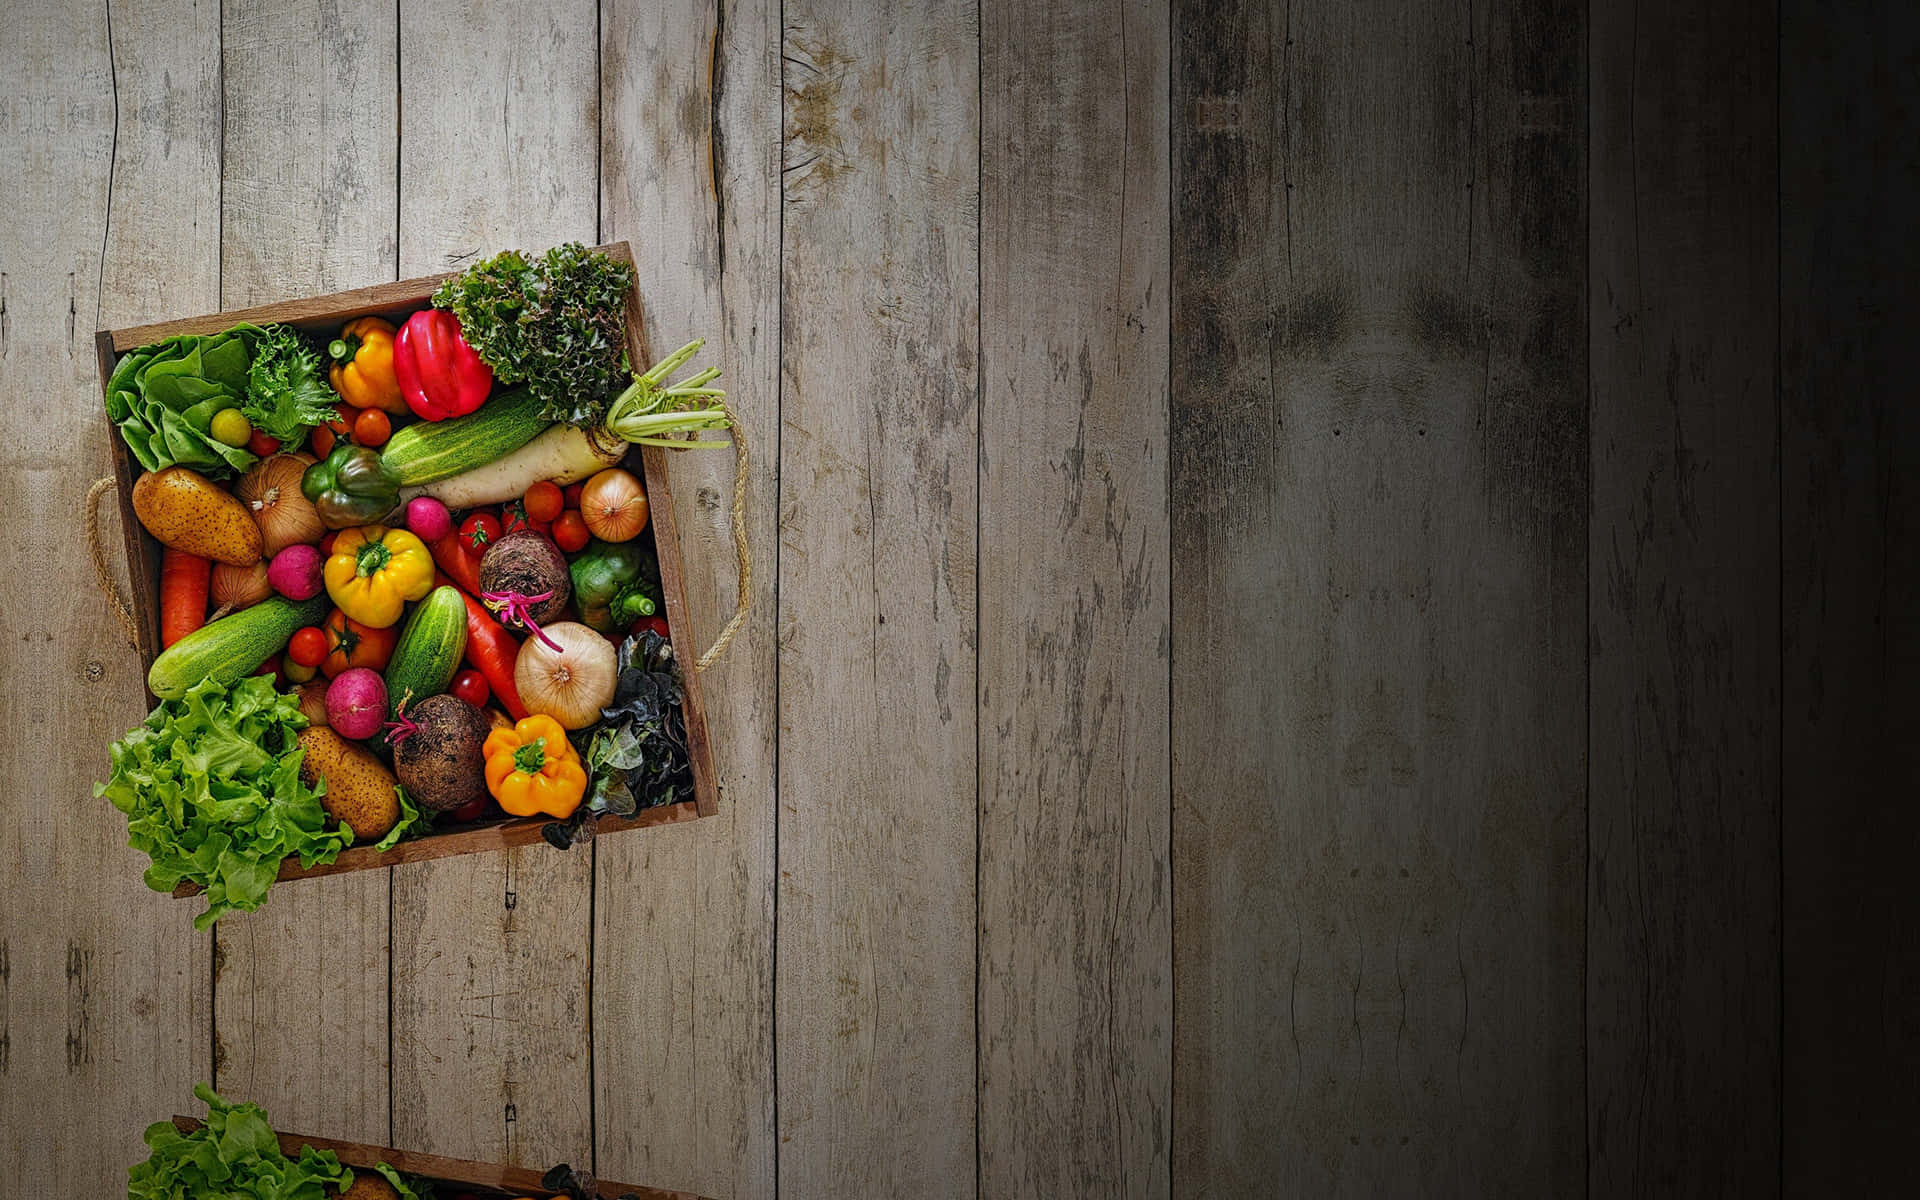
[210, 784]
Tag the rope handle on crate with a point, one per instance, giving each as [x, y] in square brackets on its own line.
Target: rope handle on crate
[745, 558]
[102, 575]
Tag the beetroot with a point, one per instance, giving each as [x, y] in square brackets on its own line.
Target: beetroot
[436, 753]
[524, 564]
[357, 703]
[295, 572]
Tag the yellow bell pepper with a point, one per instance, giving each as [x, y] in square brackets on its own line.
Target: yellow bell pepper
[533, 768]
[362, 370]
[373, 571]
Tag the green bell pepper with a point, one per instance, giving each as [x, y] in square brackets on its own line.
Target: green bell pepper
[352, 486]
[615, 584]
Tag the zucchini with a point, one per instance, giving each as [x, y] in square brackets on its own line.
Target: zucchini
[232, 647]
[426, 451]
[429, 649]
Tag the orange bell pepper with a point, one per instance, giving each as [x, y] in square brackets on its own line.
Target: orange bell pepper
[533, 768]
[362, 370]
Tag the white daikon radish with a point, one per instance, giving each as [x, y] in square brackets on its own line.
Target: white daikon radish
[563, 453]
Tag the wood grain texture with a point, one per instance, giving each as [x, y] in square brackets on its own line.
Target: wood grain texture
[683, 950]
[308, 207]
[106, 1014]
[1684, 891]
[1850, 518]
[1378, 452]
[874, 987]
[492, 953]
[1076, 981]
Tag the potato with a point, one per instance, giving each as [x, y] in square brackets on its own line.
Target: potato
[189, 512]
[368, 1186]
[359, 787]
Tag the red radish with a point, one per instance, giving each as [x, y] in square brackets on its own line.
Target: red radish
[295, 572]
[357, 703]
[428, 519]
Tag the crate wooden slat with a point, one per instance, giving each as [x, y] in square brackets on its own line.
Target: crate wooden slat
[395, 301]
[491, 1178]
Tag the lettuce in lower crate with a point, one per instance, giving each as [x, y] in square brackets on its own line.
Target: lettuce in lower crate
[236, 1154]
[211, 787]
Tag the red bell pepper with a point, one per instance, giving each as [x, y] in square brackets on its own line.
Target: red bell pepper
[492, 651]
[440, 376]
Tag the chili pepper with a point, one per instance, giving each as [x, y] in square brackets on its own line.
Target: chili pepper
[373, 571]
[362, 370]
[452, 554]
[493, 651]
[440, 375]
[350, 486]
[615, 583]
[532, 768]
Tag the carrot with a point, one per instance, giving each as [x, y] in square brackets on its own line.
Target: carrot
[184, 579]
[491, 650]
[451, 555]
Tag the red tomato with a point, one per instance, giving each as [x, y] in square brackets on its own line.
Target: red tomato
[351, 644]
[656, 622]
[471, 686]
[262, 444]
[371, 427]
[472, 810]
[571, 494]
[514, 518]
[570, 532]
[272, 667]
[309, 647]
[480, 530]
[326, 542]
[322, 441]
[543, 501]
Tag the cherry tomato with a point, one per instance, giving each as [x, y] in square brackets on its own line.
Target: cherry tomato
[322, 441]
[543, 501]
[326, 542]
[309, 647]
[656, 622]
[570, 532]
[571, 494]
[480, 530]
[263, 444]
[294, 672]
[272, 667]
[471, 686]
[371, 427]
[351, 644]
[472, 810]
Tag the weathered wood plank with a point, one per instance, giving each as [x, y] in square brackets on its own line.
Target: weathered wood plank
[1378, 457]
[683, 952]
[309, 203]
[1850, 517]
[1683, 963]
[1076, 987]
[492, 953]
[110, 1022]
[874, 1009]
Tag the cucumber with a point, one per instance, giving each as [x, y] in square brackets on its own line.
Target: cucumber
[429, 450]
[230, 648]
[429, 649]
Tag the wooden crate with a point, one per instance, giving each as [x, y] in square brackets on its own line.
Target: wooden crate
[487, 1180]
[394, 301]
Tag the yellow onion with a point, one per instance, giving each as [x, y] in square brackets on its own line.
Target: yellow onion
[234, 588]
[570, 680]
[614, 506]
[271, 491]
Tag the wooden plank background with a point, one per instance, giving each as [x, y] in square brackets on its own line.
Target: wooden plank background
[1335, 601]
